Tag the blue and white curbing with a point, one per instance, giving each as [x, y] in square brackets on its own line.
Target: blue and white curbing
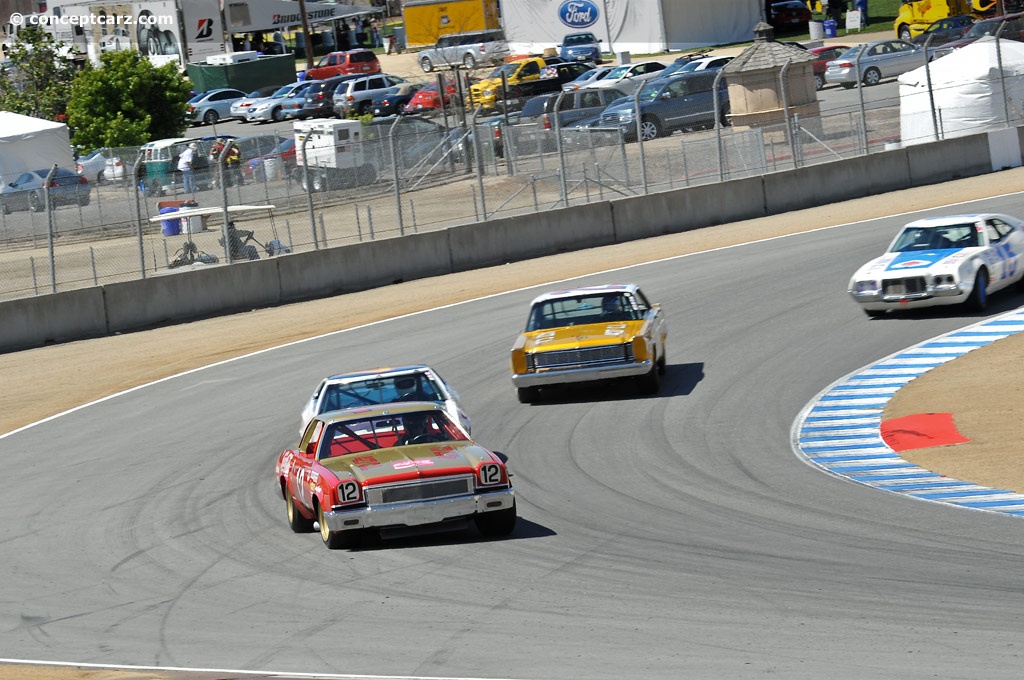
[840, 433]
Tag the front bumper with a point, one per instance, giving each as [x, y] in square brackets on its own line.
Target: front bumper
[558, 376]
[931, 296]
[420, 512]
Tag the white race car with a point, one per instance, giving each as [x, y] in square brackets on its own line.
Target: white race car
[383, 386]
[956, 259]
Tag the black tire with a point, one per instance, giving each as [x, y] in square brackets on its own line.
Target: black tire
[83, 201]
[5, 209]
[904, 33]
[849, 86]
[662, 364]
[650, 382]
[650, 128]
[872, 77]
[497, 523]
[978, 300]
[723, 115]
[363, 109]
[426, 65]
[277, 115]
[819, 81]
[526, 395]
[211, 117]
[337, 540]
[296, 521]
[35, 202]
[469, 61]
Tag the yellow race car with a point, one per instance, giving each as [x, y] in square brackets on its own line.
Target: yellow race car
[592, 333]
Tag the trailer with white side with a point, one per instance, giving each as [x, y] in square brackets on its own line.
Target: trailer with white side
[329, 154]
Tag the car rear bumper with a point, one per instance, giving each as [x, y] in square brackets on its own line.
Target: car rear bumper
[559, 376]
[420, 512]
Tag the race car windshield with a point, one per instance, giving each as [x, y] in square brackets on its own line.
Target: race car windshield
[937, 238]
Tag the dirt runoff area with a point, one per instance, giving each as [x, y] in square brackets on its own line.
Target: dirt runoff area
[984, 398]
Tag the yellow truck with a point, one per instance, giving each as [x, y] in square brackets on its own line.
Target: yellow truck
[915, 15]
[486, 92]
[427, 20]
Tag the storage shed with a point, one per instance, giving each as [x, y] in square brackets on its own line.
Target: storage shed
[767, 78]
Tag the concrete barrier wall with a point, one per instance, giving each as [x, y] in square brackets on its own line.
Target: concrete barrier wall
[526, 236]
[672, 212]
[181, 296]
[191, 295]
[44, 319]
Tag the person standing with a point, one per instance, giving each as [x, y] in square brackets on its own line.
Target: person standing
[862, 7]
[185, 161]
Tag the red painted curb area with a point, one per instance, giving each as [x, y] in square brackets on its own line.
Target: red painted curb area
[921, 431]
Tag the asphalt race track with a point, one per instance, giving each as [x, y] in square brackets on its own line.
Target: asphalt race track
[665, 537]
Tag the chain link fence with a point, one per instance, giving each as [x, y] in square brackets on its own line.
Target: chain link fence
[421, 174]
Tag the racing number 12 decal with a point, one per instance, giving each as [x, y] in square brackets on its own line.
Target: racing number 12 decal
[1005, 251]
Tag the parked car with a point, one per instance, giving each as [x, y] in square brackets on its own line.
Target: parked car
[823, 55]
[240, 108]
[392, 467]
[1008, 27]
[949, 260]
[28, 191]
[789, 15]
[355, 96]
[318, 101]
[271, 108]
[580, 47]
[420, 142]
[628, 77]
[539, 112]
[944, 30]
[294, 107]
[588, 334]
[394, 100]
[256, 168]
[878, 60]
[591, 76]
[99, 166]
[681, 102]
[703, 63]
[468, 49]
[382, 386]
[551, 80]
[428, 98]
[358, 61]
[209, 107]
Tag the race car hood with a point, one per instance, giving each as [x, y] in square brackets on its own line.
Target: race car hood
[410, 462]
[918, 261]
[580, 337]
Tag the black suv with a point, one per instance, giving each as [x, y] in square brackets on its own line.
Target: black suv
[320, 97]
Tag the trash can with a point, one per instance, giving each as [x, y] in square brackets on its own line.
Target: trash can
[194, 224]
[830, 26]
[170, 227]
[817, 29]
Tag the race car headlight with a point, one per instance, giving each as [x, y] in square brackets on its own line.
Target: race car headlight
[865, 287]
[519, 361]
[488, 93]
[640, 350]
[944, 280]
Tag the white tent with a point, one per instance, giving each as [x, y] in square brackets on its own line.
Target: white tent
[28, 143]
[636, 26]
[976, 88]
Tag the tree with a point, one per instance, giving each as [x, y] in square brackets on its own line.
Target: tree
[127, 101]
[38, 79]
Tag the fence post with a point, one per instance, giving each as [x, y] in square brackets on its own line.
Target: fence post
[138, 216]
[49, 228]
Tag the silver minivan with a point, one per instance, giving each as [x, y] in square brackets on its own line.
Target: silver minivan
[465, 49]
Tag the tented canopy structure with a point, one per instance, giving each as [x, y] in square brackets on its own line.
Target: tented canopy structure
[636, 26]
[28, 143]
[976, 88]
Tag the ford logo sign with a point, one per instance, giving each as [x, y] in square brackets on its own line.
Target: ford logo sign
[578, 13]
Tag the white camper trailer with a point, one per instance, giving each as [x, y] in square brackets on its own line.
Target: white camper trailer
[331, 150]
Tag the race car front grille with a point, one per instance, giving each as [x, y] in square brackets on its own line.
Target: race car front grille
[425, 490]
[909, 286]
[590, 356]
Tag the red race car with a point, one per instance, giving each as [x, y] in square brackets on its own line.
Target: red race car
[389, 468]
